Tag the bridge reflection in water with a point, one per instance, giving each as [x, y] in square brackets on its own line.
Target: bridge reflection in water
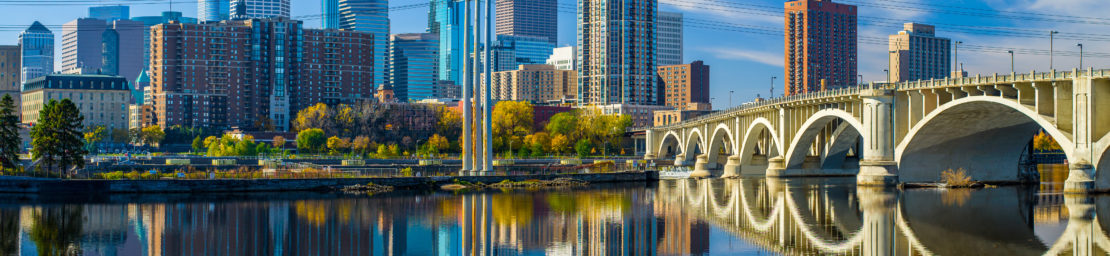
[674, 217]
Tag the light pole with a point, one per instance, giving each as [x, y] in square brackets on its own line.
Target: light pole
[1051, 38]
[1080, 55]
[730, 99]
[956, 57]
[887, 72]
[1011, 60]
[860, 79]
[772, 95]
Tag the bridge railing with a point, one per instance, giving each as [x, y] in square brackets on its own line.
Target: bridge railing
[909, 85]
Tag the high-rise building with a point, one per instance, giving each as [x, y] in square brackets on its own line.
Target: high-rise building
[820, 46]
[539, 83]
[83, 46]
[259, 9]
[447, 20]
[37, 50]
[213, 10]
[253, 73]
[413, 67]
[149, 21]
[513, 51]
[10, 73]
[669, 39]
[370, 16]
[563, 58]
[916, 53]
[103, 99]
[616, 52]
[532, 18]
[685, 84]
[110, 13]
[331, 13]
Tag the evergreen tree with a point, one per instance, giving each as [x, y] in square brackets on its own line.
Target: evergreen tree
[9, 133]
[56, 138]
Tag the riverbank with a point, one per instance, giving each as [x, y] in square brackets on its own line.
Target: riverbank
[85, 187]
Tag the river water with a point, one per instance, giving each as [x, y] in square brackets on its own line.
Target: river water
[754, 216]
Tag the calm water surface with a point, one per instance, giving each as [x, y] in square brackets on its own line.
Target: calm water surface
[672, 217]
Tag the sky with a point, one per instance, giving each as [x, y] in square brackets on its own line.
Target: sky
[741, 39]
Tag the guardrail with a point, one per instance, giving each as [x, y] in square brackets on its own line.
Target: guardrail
[909, 85]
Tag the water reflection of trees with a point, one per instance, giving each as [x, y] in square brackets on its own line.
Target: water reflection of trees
[9, 231]
[56, 230]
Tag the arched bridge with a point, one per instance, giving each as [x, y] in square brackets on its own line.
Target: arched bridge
[905, 132]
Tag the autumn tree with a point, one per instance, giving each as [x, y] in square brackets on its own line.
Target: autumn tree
[512, 120]
[279, 142]
[337, 145]
[151, 135]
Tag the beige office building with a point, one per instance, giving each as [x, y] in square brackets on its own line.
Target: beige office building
[9, 72]
[917, 54]
[535, 83]
[102, 100]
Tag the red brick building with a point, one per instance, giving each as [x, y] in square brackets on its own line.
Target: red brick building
[241, 73]
[684, 85]
[820, 45]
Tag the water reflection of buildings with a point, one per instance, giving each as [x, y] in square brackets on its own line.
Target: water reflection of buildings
[573, 222]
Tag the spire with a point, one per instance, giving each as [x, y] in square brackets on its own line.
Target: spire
[37, 27]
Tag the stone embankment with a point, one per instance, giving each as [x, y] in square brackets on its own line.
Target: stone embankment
[81, 187]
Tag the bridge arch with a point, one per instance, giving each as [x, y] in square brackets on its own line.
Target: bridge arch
[722, 138]
[805, 137]
[670, 145]
[983, 134]
[753, 136]
[693, 144]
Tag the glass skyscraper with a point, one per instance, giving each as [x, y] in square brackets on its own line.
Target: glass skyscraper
[110, 13]
[669, 39]
[371, 16]
[213, 10]
[535, 18]
[37, 48]
[413, 65]
[258, 9]
[331, 13]
[524, 50]
[616, 52]
[447, 21]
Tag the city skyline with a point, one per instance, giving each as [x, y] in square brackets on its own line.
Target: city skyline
[754, 55]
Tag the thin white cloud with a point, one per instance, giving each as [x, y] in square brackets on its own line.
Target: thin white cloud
[772, 58]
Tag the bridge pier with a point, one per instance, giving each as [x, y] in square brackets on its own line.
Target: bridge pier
[1080, 178]
[680, 160]
[701, 167]
[732, 167]
[878, 167]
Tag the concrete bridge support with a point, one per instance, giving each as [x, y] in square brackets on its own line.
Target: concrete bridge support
[877, 168]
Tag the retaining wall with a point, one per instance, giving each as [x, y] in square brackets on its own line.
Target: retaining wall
[84, 187]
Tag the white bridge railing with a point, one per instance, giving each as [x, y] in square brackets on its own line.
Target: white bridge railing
[909, 85]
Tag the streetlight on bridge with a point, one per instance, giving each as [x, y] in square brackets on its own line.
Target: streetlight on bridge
[1011, 60]
[772, 87]
[1051, 38]
[1080, 55]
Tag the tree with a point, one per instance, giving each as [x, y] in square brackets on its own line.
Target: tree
[560, 144]
[311, 140]
[582, 148]
[338, 145]
[152, 135]
[449, 122]
[9, 133]
[383, 151]
[56, 140]
[565, 123]
[360, 145]
[438, 143]
[92, 136]
[121, 136]
[279, 142]
[315, 116]
[512, 120]
[394, 150]
[198, 144]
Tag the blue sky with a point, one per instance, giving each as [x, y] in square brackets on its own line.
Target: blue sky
[740, 40]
